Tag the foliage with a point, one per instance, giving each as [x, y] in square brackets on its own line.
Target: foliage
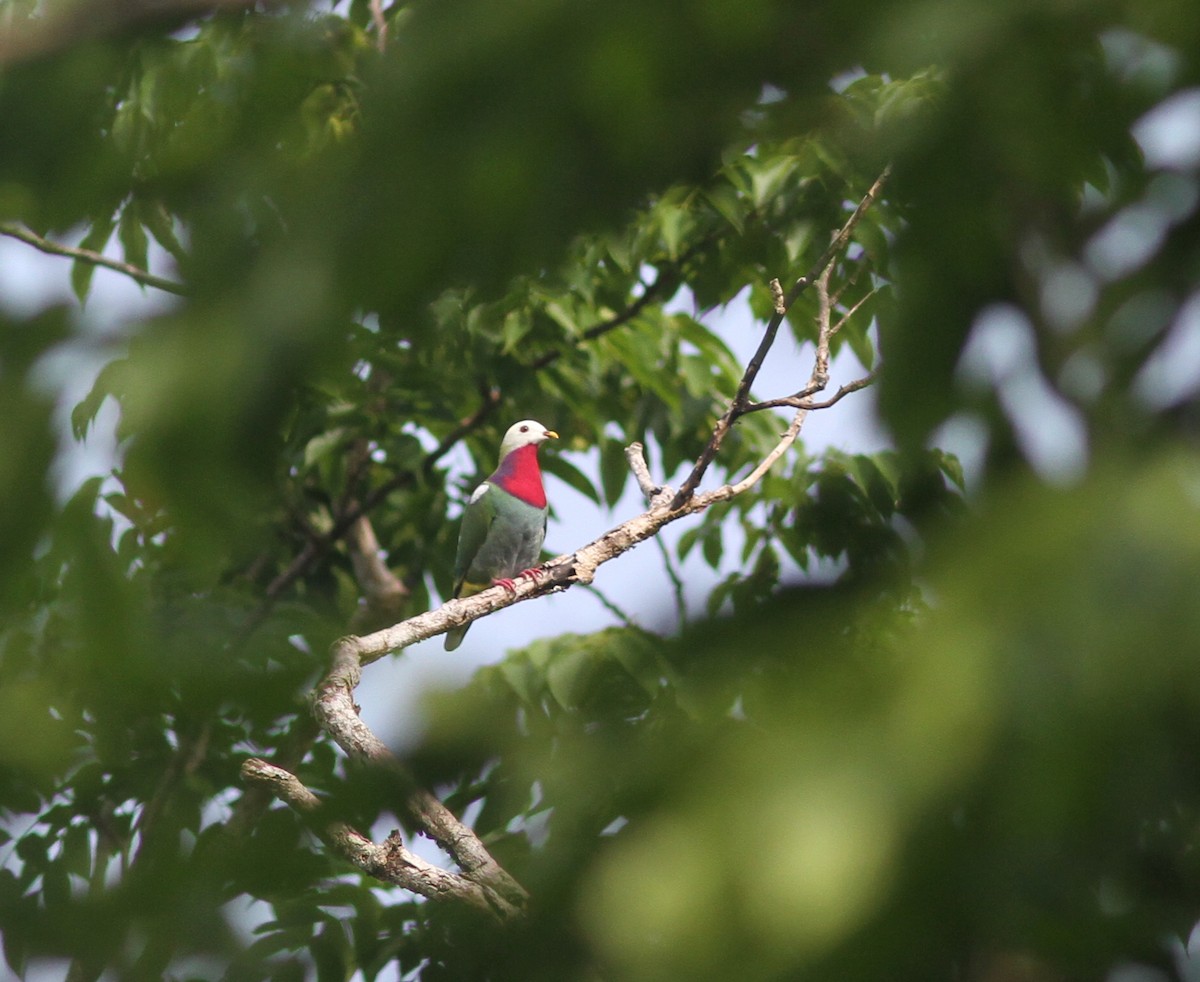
[909, 738]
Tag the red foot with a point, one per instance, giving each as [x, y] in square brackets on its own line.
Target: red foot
[534, 573]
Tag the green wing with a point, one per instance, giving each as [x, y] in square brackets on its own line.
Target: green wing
[477, 519]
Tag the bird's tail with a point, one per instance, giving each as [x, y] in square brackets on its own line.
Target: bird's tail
[454, 636]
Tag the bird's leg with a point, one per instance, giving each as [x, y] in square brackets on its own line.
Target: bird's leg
[534, 573]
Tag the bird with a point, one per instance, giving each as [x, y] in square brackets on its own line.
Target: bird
[504, 523]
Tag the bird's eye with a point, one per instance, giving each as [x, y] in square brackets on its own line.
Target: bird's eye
[524, 429]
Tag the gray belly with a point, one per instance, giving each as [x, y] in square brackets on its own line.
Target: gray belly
[509, 549]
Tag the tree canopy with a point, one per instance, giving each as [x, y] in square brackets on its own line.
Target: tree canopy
[933, 721]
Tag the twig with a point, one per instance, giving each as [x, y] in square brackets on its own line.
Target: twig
[636, 456]
[664, 285]
[801, 401]
[675, 578]
[851, 312]
[91, 256]
[610, 606]
[381, 26]
[650, 293]
[184, 762]
[490, 400]
[737, 406]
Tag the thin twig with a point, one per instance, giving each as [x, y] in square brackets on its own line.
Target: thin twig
[851, 312]
[381, 26]
[741, 397]
[675, 578]
[635, 455]
[801, 401]
[91, 256]
[610, 605]
[650, 293]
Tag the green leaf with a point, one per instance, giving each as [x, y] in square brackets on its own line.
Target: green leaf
[712, 545]
[688, 540]
[96, 239]
[322, 445]
[724, 198]
[697, 376]
[767, 177]
[157, 219]
[951, 466]
[84, 413]
[569, 474]
[614, 470]
[522, 677]
[132, 236]
[76, 851]
[860, 343]
[568, 677]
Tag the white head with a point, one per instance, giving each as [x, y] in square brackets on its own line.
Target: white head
[522, 433]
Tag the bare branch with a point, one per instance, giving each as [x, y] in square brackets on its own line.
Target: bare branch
[788, 437]
[650, 293]
[841, 239]
[390, 862]
[801, 399]
[381, 26]
[52, 248]
[777, 298]
[333, 705]
[283, 784]
[741, 397]
[384, 594]
[851, 312]
[635, 454]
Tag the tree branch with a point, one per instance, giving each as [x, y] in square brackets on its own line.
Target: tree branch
[650, 293]
[91, 256]
[381, 26]
[333, 705]
[737, 407]
[390, 861]
[801, 401]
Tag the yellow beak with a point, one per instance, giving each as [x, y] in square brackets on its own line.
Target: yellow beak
[551, 434]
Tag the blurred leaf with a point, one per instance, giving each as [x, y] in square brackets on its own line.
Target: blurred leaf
[95, 240]
[614, 470]
[570, 475]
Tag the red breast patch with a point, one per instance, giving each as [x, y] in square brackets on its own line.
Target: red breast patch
[520, 475]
